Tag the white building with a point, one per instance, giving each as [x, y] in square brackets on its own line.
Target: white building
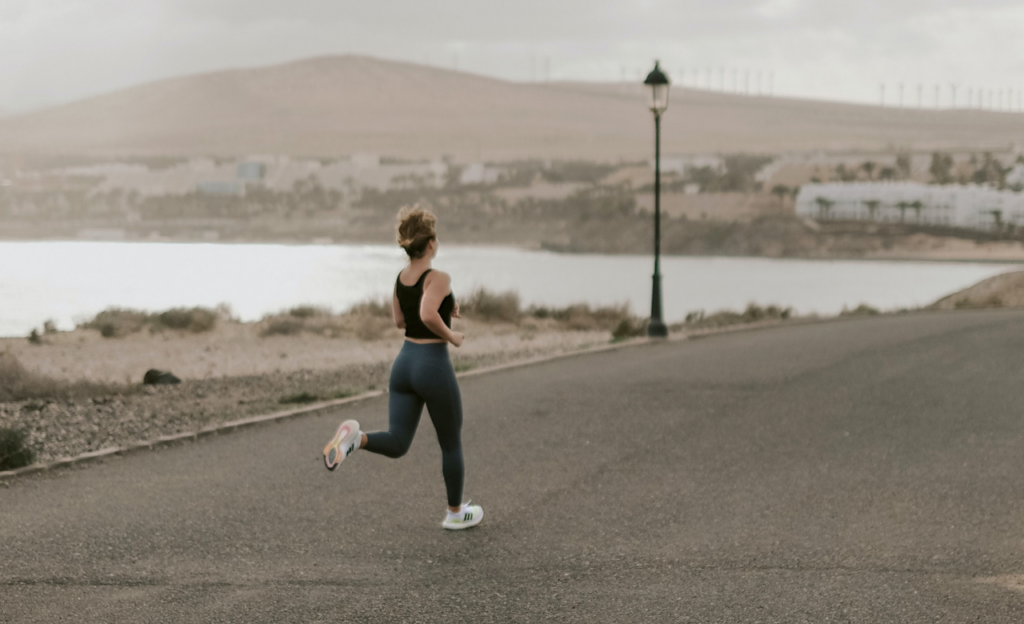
[682, 164]
[1016, 175]
[477, 173]
[977, 207]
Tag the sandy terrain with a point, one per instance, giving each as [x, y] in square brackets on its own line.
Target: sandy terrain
[333, 106]
[1006, 290]
[925, 247]
[238, 349]
[229, 373]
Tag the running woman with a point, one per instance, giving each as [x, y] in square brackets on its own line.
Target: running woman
[423, 305]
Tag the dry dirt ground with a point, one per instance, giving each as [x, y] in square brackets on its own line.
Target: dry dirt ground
[230, 372]
[1006, 290]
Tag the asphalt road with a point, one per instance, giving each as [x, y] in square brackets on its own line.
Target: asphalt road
[866, 470]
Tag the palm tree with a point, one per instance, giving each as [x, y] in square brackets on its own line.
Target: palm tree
[997, 216]
[824, 205]
[780, 191]
[903, 209]
[869, 168]
[872, 205]
[917, 206]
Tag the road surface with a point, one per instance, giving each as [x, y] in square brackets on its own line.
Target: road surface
[864, 470]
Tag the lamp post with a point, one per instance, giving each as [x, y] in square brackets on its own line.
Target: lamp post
[659, 88]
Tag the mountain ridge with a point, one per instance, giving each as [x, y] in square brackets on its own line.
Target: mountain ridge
[337, 105]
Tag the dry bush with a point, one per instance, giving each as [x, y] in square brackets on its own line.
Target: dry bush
[861, 310]
[372, 307]
[191, 319]
[282, 326]
[369, 320]
[993, 301]
[581, 316]
[18, 384]
[119, 322]
[371, 328]
[488, 306]
[14, 453]
[630, 328]
[308, 311]
[752, 314]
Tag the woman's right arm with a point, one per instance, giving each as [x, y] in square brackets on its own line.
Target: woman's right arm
[435, 289]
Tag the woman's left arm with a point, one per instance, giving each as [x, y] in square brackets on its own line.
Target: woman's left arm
[396, 310]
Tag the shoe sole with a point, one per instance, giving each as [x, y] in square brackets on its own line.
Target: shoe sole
[460, 526]
[332, 452]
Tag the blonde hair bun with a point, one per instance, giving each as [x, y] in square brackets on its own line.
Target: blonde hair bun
[416, 228]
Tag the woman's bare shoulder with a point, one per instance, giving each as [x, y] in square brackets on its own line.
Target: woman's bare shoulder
[438, 280]
[440, 276]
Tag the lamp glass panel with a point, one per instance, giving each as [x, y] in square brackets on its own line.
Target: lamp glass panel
[659, 98]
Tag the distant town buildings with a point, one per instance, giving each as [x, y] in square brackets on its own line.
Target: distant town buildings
[967, 206]
[279, 173]
[478, 173]
[683, 164]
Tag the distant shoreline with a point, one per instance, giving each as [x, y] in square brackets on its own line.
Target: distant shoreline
[520, 247]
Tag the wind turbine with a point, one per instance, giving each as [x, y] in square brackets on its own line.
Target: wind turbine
[881, 97]
[920, 95]
[952, 94]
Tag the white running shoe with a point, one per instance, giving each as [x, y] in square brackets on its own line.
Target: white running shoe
[345, 442]
[469, 516]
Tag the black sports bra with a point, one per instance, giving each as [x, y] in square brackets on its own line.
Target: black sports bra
[409, 298]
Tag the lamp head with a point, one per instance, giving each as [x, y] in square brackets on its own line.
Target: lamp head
[659, 90]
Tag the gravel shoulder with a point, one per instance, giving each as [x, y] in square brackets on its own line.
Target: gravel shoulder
[229, 373]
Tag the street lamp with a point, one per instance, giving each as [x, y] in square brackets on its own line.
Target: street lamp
[659, 88]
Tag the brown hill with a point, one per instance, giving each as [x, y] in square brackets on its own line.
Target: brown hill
[339, 105]
[1005, 290]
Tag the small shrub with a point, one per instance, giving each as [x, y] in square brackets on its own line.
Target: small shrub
[282, 326]
[307, 311]
[34, 337]
[993, 301]
[488, 306]
[753, 313]
[461, 367]
[13, 451]
[302, 397]
[373, 328]
[117, 322]
[581, 316]
[18, 384]
[196, 320]
[372, 307]
[49, 327]
[861, 310]
[629, 328]
[120, 322]
[345, 393]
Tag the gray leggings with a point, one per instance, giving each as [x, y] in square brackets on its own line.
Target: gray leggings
[423, 373]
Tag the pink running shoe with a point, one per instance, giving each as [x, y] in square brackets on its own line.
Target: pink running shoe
[345, 442]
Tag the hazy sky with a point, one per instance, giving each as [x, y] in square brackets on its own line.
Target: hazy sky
[52, 51]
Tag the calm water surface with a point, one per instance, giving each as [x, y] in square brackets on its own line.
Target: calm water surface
[71, 281]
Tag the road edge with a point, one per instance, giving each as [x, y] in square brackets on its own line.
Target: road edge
[242, 423]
